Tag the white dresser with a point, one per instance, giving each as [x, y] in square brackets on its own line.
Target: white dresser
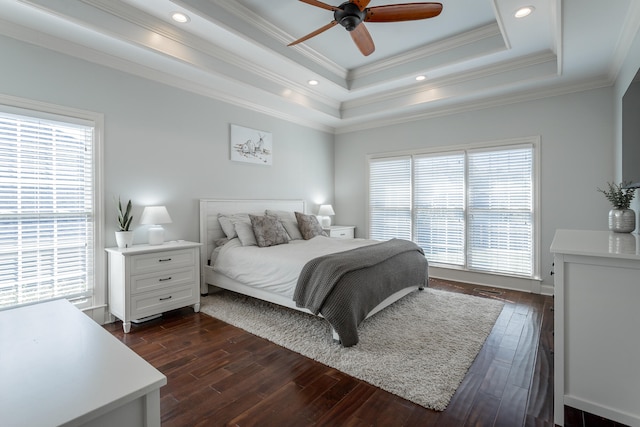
[145, 280]
[597, 324]
[60, 368]
[340, 231]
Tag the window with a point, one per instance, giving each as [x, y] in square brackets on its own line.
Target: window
[471, 208]
[390, 199]
[48, 220]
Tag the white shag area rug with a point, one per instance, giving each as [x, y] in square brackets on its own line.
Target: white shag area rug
[419, 348]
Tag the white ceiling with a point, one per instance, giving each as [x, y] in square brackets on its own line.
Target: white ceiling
[475, 53]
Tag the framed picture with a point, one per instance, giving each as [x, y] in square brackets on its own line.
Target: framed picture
[251, 145]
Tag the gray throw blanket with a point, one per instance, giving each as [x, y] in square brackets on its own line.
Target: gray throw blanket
[344, 287]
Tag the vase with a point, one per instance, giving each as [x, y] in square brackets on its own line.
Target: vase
[622, 220]
[124, 239]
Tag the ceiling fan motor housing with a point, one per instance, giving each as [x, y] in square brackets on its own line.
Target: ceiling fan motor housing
[349, 15]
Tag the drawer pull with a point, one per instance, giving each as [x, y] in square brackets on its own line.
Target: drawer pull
[166, 298]
[164, 279]
[164, 260]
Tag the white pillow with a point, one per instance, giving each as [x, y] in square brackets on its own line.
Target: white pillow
[244, 231]
[227, 225]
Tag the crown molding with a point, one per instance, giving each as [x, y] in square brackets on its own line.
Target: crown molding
[500, 23]
[84, 53]
[283, 37]
[204, 55]
[435, 111]
[218, 73]
[454, 79]
[448, 44]
[556, 25]
[28, 35]
[154, 25]
[630, 30]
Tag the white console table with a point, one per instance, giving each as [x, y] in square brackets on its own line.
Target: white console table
[597, 324]
[60, 368]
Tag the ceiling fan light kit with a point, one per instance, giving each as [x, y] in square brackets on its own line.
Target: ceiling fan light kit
[349, 15]
[352, 15]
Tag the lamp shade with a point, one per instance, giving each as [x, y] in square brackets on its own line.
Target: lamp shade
[326, 210]
[155, 215]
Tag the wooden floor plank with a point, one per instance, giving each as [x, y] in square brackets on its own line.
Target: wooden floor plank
[221, 375]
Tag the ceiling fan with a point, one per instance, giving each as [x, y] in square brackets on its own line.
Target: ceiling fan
[353, 13]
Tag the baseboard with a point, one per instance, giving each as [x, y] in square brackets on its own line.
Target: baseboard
[546, 289]
[492, 280]
[613, 414]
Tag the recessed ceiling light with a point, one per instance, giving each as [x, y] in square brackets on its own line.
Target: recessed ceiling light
[420, 78]
[524, 11]
[180, 17]
[313, 82]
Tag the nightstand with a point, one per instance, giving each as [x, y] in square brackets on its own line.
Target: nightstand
[147, 280]
[340, 231]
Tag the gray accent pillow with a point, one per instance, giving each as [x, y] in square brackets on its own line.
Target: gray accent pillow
[268, 230]
[289, 221]
[309, 226]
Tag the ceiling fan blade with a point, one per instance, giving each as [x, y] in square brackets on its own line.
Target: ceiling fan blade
[319, 4]
[362, 4]
[315, 33]
[403, 12]
[363, 40]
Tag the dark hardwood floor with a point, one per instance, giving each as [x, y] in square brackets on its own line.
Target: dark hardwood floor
[221, 375]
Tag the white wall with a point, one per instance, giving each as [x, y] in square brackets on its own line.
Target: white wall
[577, 149]
[167, 146]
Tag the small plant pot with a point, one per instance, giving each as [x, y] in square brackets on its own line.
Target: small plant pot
[622, 220]
[124, 239]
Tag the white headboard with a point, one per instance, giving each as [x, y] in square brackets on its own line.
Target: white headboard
[210, 229]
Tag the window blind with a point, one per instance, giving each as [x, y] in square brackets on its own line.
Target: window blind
[439, 225]
[470, 209]
[46, 210]
[390, 198]
[500, 210]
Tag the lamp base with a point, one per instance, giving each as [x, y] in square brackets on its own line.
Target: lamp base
[156, 235]
[326, 221]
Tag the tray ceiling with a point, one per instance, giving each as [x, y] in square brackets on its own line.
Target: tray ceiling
[472, 55]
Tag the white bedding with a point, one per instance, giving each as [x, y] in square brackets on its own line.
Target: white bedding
[276, 268]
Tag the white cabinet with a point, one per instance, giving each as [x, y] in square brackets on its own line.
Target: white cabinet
[60, 368]
[597, 324]
[340, 231]
[145, 280]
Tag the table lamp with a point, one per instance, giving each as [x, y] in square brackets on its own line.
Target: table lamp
[155, 215]
[325, 211]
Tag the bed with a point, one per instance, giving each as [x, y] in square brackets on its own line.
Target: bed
[272, 273]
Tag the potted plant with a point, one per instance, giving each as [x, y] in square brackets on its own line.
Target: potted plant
[124, 237]
[622, 219]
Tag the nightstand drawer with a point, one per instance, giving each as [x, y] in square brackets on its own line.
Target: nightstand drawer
[170, 278]
[143, 305]
[340, 232]
[162, 261]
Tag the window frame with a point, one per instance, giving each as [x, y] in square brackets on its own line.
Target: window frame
[533, 141]
[95, 306]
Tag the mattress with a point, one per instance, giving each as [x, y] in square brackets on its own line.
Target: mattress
[276, 268]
